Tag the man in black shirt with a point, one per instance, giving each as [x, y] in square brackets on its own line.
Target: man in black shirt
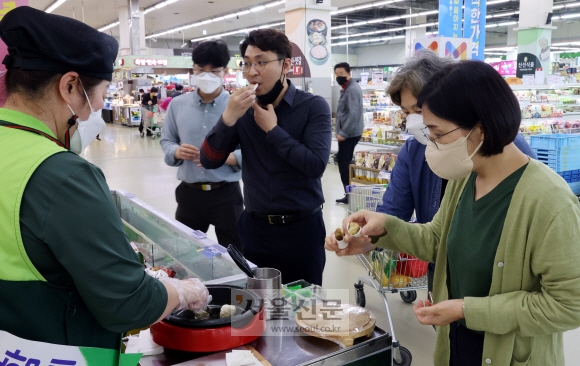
[285, 135]
[178, 91]
[147, 102]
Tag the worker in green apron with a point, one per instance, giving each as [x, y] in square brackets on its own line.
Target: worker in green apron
[68, 274]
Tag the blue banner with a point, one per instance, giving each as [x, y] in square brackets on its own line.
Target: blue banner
[450, 18]
[475, 12]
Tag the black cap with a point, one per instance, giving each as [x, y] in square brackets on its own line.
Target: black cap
[46, 42]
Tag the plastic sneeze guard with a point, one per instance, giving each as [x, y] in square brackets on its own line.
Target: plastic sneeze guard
[171, 243]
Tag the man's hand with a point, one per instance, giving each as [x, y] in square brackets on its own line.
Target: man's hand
[266, 119]
[240, 101]
[340, 138]
[150, 102]
[446, 312]
[187, 152]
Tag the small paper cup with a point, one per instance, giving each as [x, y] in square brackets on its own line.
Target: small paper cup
[358, 234]
[342, 244]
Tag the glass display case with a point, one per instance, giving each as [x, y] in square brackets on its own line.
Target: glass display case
[165, 242]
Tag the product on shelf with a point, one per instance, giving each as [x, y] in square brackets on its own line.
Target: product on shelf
[377, 160]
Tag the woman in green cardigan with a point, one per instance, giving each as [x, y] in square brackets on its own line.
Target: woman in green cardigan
[506, 239]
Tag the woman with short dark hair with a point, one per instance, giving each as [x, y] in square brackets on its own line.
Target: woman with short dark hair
[505, 239]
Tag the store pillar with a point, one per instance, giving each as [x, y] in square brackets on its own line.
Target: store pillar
[131, 30]
[534, 41]
[308, 29]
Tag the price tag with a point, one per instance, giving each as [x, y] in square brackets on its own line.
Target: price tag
[199, 234]
[383, 174]
[212, 251]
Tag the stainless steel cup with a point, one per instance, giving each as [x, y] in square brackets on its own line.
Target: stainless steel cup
[268, 284]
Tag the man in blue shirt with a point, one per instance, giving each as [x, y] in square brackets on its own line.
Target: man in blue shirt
[413, 187]
[285, 135]
[204, 197]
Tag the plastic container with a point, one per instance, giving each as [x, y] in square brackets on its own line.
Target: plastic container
[555, 141]
[291, 288]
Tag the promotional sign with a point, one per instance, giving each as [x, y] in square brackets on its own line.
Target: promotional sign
[456, 48]
[450, 18]
[364, 78]
[475, 13]
[5, 7]
[18, 351]
[505, 68]
[533, 51]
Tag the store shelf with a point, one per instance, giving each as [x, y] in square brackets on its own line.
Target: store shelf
[544, 86]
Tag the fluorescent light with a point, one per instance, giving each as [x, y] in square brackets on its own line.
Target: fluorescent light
[218, 19]
[229, 16]
[244, 12]
[276, 3]
[506, 23]
[54, 5]
[108, 26]
[496, 2]
[160, 5]
[245, 30]
[206, 22]
[257, 9]
[569, 16]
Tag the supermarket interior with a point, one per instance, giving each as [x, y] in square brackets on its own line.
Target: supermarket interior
[345, 134]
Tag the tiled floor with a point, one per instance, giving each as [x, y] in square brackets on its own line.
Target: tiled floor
[136, 164]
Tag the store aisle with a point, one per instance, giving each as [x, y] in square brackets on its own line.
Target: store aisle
[136, 164]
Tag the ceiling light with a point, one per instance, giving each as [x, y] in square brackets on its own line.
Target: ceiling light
[160, 5]
[54, 5]
[497, 2]
[243, 12]
[569, 16]
[506, 23]
[238, 31]
[206, 22]
[218, 19]
[108, 26]
[257, 9]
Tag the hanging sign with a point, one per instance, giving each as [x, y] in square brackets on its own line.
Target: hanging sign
[450, 18]
[475, 13]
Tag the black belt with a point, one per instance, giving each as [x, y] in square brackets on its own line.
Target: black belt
[284, 218]
[207, 186]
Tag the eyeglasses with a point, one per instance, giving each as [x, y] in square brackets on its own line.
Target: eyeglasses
[259, 66]
[432, 139]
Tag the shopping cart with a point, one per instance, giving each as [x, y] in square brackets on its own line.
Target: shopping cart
[150, 121]
[388, 271]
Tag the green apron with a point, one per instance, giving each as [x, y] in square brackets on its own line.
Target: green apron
[31, 308]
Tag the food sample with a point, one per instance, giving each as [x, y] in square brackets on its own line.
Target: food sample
[339, 234]
[201, 315]
[227, 311]
[353, 228]
[255, 86]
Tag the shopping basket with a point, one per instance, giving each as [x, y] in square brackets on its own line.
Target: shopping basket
[388, 271]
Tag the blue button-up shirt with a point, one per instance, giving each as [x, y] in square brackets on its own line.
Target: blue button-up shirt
[414, 187]
[282, 169]
[188, 121]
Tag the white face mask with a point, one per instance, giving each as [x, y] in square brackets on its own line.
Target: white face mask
[416, 127]
[207, 82]
[451, 161]
[87, 130]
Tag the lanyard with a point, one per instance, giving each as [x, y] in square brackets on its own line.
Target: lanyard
[23, 128]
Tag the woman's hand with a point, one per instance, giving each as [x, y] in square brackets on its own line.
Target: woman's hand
[372, 224]
[444, 313]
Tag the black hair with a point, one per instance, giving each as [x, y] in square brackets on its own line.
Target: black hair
[470, 92]
[342, 65]
[141, 91]
[214, 53]
[154, 90]
[34, 84]
[268, 40]
[178, 87]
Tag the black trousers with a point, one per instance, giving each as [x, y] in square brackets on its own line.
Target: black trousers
[295, 249]
[344, 157]
[466, 346]
[221, 207]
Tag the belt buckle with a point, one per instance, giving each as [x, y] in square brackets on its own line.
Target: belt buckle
[206, 187]
[270, 217]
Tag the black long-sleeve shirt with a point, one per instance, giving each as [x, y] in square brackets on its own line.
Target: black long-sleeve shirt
[282, 169]
[147, 97]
